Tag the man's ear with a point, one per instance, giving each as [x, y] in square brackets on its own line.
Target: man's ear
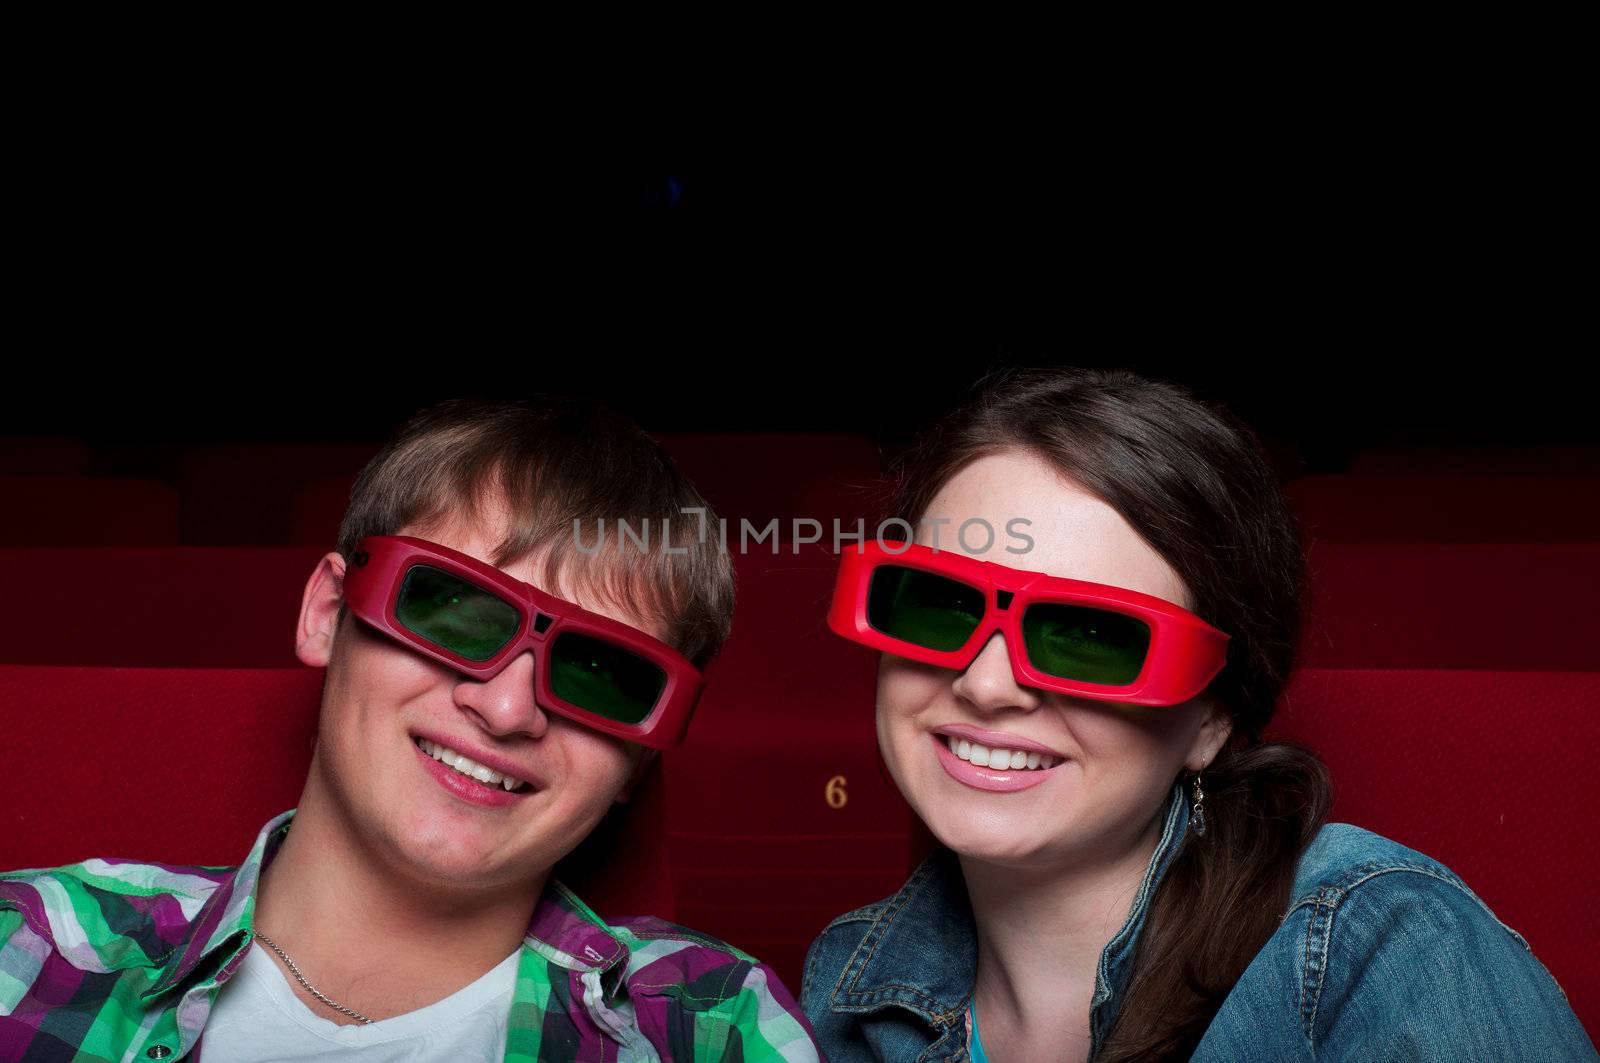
[640, 770]
[319, 612]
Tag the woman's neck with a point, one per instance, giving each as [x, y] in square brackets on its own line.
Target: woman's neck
[1041, 931]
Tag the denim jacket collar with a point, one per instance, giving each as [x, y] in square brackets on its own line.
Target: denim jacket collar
[921, 952]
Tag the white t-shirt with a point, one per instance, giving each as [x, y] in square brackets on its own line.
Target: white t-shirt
[257, 1018]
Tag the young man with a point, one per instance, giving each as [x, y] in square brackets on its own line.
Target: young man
[473, 731]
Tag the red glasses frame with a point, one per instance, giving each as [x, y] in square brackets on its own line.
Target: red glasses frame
[375, 573]
[1185, 652]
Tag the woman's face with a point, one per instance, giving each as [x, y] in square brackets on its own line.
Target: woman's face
[1116, 763]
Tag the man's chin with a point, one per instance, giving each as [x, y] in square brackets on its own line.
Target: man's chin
[461, 872]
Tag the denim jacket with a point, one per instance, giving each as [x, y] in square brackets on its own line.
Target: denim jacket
[1382, 954]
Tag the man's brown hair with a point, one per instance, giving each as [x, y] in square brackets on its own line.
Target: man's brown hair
[567, 468]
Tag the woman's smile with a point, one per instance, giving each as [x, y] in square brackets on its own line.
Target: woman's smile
[998, 770]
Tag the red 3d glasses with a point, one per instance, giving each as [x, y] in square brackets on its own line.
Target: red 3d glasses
[1066, 635]
[473, 617]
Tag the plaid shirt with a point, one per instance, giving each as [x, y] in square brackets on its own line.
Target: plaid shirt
[116, 960]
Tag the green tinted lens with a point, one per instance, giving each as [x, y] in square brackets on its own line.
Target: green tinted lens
[604, 678]
[1086, 644]
[460, 616]
[922, 608]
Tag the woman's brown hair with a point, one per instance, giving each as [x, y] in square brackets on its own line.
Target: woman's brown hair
[1195, 482]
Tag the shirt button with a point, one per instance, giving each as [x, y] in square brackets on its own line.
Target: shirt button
[158, 1051]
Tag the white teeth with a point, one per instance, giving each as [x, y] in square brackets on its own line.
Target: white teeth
[1010, 759]
[467, 766]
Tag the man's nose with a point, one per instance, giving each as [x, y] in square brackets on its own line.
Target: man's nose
[505, 704]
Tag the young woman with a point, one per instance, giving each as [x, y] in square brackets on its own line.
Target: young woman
[1085, 630]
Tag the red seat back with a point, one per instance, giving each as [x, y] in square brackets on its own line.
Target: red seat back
[155, 606]
[86, 511]
[239, 494]
[1522, 606]
[1486, 772]
[1447, 508]
[780, 818]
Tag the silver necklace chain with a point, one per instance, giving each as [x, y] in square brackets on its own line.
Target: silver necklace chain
[309, 987]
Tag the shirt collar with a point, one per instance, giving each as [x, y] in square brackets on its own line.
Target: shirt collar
[562, 929]
[921, 952]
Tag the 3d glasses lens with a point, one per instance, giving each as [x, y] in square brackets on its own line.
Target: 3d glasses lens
[605, 679]
[923, 608]
[460, 616]
[1085, 644]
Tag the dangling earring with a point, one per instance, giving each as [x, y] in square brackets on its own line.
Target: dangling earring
[1197, 815]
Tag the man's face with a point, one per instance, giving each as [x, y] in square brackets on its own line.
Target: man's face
[407, 808]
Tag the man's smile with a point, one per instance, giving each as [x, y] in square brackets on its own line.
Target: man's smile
[471, 780]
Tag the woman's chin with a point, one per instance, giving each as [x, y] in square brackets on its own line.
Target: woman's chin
[986, 842]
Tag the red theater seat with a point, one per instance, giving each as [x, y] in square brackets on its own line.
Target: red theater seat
[155, 606]
[1520, 606]
[780, 819]
[317, 510]
[86, 511]
[183, 766]
[759, 476]
[1488, 772]
[241, 494]
[1447, 508]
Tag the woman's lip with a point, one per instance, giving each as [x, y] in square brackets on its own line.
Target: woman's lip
[998, 780]
[996, 739]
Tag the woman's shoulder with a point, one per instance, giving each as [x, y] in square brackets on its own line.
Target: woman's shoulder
[923, 908]
[834, 944]
[1343, 856]
[933, 886]
[847, 923]
[1351, 869]
[1390, 952]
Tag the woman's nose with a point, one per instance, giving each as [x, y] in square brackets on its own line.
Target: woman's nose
[988, 682]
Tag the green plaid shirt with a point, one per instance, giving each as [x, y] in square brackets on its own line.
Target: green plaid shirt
[117, 960]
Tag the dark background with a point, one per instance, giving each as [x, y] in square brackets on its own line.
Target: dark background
[1379, 290]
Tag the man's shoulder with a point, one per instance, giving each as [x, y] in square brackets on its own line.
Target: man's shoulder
[122, 876]
[648, 929]
[664, 954]
[103, 900]
[737, 997]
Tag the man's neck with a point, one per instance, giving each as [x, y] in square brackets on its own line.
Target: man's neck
[369, 938]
